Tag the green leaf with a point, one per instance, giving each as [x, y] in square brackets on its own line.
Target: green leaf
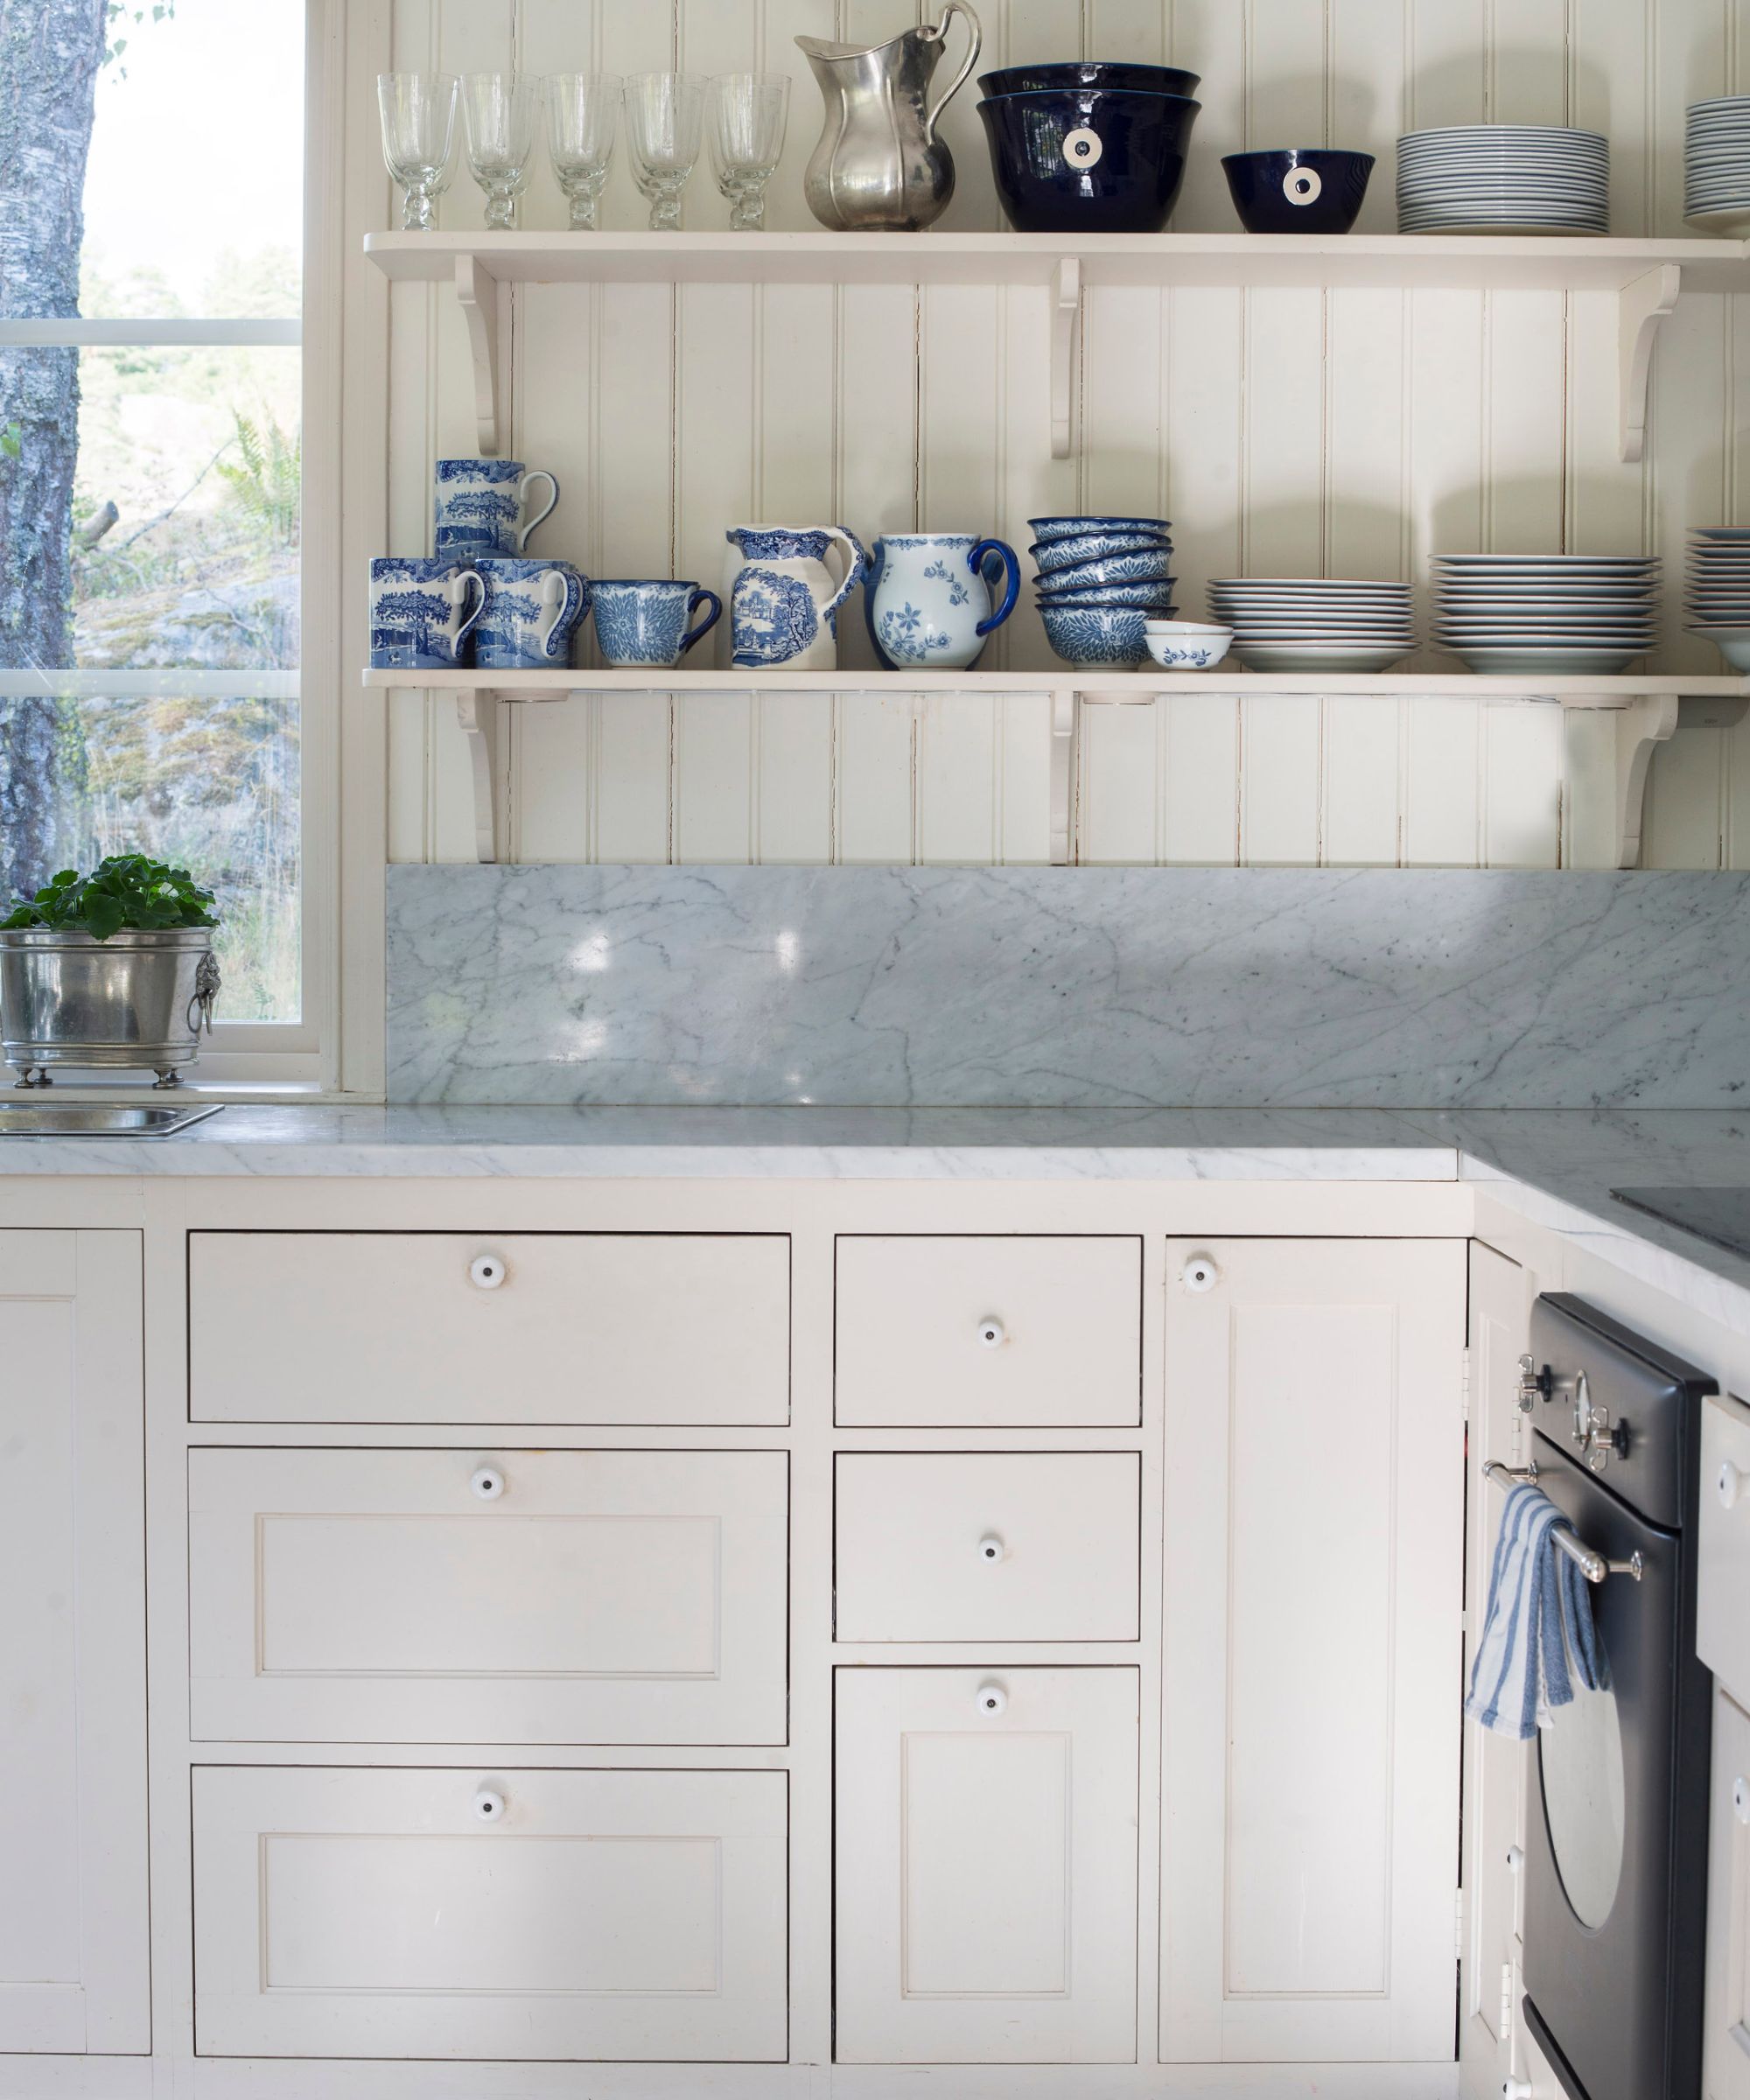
[124, 891]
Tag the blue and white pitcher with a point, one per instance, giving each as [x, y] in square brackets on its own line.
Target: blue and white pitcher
[927, 603]
[784, 605]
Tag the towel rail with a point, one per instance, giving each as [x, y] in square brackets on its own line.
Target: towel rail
[1593, 1565]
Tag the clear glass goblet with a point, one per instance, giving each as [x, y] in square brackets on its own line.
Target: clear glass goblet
[748, 114]
[583, 111]
[664, 124]
[500, 110]
[418, 111]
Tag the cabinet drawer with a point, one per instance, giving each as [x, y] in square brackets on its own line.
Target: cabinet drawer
[986, 1858]
[568, 1916]
[1722, 1626]
[986, 1331]
[488, 1597]
[437, 1327]
[1726, 2048]
[987, 1546]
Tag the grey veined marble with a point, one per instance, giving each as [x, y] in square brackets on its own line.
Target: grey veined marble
[1067, 987]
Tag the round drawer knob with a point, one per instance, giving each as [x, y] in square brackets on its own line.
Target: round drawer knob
[486, 1271]
[1740, 1799]
[1200, 1273]
[488, 1806]
[989, 1547]
[1729, 1484]
[992, 1698]
[992, 1333]
[487, 1483]
[1516, 1859]
[1516, 2088]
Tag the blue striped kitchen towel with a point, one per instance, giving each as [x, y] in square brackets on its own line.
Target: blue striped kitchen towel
[1538, 1636]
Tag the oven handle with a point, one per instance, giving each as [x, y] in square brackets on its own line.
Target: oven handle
[1593, 1565]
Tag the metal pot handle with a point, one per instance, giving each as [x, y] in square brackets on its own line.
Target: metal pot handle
[954, 7]
[207, 981]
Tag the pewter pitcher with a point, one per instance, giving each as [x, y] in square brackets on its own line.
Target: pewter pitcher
[878, 166]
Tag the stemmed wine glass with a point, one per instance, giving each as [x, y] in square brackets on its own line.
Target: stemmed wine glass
[664, 121]
[500, 111]
[583, 109]
[418, 111]
[748, 115]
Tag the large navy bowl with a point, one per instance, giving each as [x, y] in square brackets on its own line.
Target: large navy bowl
[1089, 73]
[1297, 189]
[1094, 160]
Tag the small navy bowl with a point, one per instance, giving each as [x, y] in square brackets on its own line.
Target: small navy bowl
[1297, 189]
[1089, 73]
[1090, 160]
[1093, 547]
[1062, 526]
[1144, 568]
[1112, 634]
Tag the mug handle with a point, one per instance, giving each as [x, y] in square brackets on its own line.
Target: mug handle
[535, 474]
[458, 592]
[699, 632]
[1013, 567]
[853, 570]
[565, 608]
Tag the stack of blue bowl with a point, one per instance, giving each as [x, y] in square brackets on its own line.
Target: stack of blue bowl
[1099, 581]
[1088, 145]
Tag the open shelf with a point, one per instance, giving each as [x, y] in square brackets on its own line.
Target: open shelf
[1647, 277]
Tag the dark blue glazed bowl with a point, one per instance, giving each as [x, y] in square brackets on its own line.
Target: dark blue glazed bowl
[1093, 160]
[1297, 189]
[1088, 73]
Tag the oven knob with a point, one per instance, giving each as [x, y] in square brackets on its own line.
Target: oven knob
[1740, 1799]
[1729, 1481]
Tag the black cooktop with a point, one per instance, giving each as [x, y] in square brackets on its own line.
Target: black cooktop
[1719, 1216]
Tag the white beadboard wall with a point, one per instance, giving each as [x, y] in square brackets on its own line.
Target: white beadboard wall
[1284, 431]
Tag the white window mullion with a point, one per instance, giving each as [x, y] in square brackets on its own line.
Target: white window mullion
[130, 332]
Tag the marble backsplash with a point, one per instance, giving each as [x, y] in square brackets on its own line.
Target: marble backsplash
[1067, 987]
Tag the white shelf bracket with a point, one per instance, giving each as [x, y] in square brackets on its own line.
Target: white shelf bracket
[1641, 306]
[1649, 720]
[1066, 707]
[477, 710]
[477, 291]
[1066, 313]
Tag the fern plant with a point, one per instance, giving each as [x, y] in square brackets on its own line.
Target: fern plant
[266, 480]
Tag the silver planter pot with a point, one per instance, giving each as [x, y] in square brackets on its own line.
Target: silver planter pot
[137, 1000]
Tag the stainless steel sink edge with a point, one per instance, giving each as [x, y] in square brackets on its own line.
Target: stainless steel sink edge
[98, 1119]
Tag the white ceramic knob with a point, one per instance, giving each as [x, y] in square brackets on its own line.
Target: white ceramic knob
[992, 1333]
[1515, 1857]
[992, 1698]
[1516, 2088]
[1740, 1799]
[488, 1806]
[487, 1483]
[486, 1271]
[1729, 1484]
[1200, 1273]
[989, 1547]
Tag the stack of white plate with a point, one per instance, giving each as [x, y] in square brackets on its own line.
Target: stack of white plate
[1718, 601]
[1314, 623]
[1503, 178]
[1554, 613]
[1716, 165]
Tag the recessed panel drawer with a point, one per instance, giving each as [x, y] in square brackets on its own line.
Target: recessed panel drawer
[987, 1330]
[497, 1597]
[435, 1326]
[1722, 1625]
[574, 1916]
[987, 1546]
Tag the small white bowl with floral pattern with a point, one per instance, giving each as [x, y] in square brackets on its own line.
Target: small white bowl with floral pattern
[1180, 645]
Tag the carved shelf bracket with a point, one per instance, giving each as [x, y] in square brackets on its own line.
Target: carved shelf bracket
[477, 291]
[1642, 307]
[1065, 314]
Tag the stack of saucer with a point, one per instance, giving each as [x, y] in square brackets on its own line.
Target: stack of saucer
[1314, 623]
[1718, 600]
[1716, 165]
[1547, 612]
[1503, 178]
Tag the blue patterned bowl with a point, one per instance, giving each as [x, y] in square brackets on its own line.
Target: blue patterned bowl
[1113, 636]
[1065, 528]
[1051, 554]
[1153, 564]
[1150, 596]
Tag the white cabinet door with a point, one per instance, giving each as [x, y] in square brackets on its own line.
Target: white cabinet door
[488, 1597]
[1722, 1624]
[986, 1856]
[1313, 1562]
[1726, 2057]
[74, 1975]
[567, 1915]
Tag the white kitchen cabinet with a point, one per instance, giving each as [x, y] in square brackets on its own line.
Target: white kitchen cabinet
[988, 1330]
[1726, 2057]
[1314, 1570]
[488, 1597]
[987, 1546]
[986, 1866]
[527, 1915]
[689, 1328]
[73, 1948]
[1723, 1561]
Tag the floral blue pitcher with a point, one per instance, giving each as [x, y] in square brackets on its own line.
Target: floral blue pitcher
[783, 608]
[928, 602]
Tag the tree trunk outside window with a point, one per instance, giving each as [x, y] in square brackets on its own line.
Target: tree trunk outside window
[49, 53]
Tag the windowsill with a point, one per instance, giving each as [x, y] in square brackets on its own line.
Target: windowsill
[98, 1087]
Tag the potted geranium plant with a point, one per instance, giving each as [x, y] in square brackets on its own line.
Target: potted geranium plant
[112, 969]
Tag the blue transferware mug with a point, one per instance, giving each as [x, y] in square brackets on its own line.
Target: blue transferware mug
[423, 609]
[928, 604]
[532, 611]
[643, 625]
[481, 507]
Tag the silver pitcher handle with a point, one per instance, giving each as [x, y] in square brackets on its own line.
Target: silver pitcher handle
[954, 7]
[205, 991]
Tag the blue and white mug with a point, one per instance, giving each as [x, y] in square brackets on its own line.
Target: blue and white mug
[482, 506]
[643, 625]
[423, 609]
[532, 611]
